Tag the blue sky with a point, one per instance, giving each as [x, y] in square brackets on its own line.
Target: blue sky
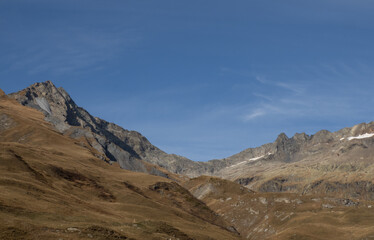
[202, 79]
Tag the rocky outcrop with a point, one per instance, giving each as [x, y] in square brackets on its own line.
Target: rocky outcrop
[353, 189]
[6, 122]
[112, 141]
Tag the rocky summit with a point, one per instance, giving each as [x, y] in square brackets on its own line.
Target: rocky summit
[129, 149]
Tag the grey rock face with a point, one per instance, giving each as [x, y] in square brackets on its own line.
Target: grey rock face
[117, 144]
[6, 122]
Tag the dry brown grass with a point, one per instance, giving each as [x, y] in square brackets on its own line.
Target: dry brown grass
[54, 187]
[285, 215]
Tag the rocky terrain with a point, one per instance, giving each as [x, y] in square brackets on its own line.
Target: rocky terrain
[337, 163]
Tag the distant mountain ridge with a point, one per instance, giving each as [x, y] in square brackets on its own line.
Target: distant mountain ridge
[132, 150]
[299, 147]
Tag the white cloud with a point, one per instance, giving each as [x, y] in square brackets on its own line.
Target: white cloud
[263, 96]
[73, 50]
[262, 80]
[294, 88]
[254, 114]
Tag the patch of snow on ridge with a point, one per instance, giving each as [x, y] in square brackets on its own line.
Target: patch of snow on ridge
[250, 160]
[43, 104]
[237, 164]
[366, 135]
[256, 158]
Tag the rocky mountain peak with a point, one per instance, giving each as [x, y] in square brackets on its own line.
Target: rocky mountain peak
[128, 148]
[362, 128]
[47, 83]
[286, 147]
[282, 138]
[301, 137]
[322, 136]
[2, 93]
[56, 105]
[41, 89]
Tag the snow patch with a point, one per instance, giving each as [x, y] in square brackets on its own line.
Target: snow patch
[251, 160]
[237, 164]
[366, 135]
[256, 158]
[43, 104]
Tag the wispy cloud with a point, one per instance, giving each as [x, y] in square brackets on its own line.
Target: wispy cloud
[254, 114]
[263, 96]
[323, 91]
[293, 88]
[298, 89]
[262, 79]
[73, 50]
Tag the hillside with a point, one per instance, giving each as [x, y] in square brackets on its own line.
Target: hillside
[285, 215]
[54, 187]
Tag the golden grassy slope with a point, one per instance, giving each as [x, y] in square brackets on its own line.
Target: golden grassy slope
[285, 215]
[54, 187]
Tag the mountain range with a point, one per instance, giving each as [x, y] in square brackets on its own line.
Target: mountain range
[304, 187]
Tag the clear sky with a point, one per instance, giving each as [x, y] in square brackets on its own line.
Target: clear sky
[203, 79]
